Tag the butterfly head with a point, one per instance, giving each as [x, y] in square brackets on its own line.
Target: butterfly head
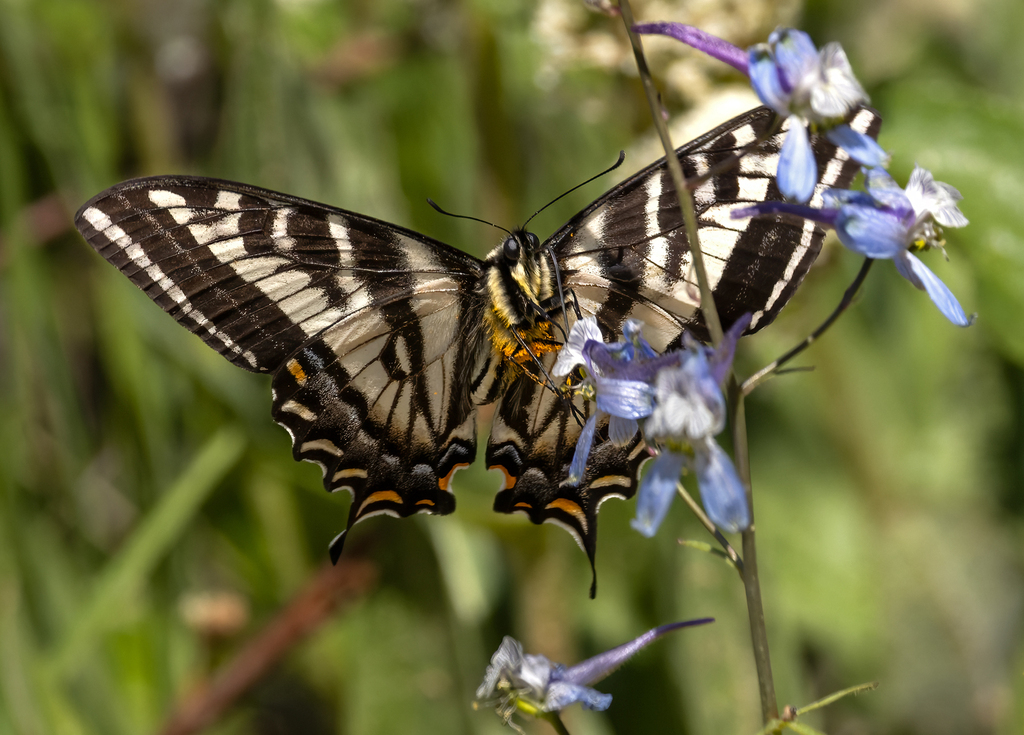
[518, 279]
[520, 257]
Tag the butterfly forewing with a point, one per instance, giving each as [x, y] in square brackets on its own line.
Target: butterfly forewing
[627, 256]
[369, 329]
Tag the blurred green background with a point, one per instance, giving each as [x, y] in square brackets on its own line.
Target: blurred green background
[152, 521]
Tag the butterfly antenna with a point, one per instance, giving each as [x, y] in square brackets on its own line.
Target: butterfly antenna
[554, 261]
[437, 208]
[561, 293]
[622, 157]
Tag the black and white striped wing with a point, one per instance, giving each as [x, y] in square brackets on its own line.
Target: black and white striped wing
[533, 439]
[367, 328]
[626, 256]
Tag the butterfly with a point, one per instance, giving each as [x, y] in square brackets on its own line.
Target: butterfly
[383, 342]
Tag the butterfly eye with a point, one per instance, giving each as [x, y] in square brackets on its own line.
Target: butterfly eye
[533, 241]
[511, 249]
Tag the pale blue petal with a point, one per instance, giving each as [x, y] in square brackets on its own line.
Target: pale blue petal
[764, 78]
[656, 492]
[911, 268]
[561, 694]
[688, 402]
[630, 399]
[862, 148]
[723, 495]
[508, 657]
[928, 195]
[798, 169]
[887, 194]
[835, 198]
[632, 330]
[571, 354]
[837, 90]
[583, 445]
[795, 55]
[621, 431]
[871, 232]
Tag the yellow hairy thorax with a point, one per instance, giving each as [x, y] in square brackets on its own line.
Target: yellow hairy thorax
[519, 334]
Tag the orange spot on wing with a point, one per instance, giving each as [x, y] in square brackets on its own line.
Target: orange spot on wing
[297, 372]
[573, 509]
[443, 482]
[523, 505]
[509, 480]
[565, 505]
[384, 495]
[425, 501]
[381, 496]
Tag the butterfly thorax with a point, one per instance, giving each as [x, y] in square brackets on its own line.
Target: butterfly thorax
[517, 285]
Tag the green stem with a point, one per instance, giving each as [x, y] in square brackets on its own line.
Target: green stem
[707, 302]
[751, 581]
[768, 370]
[556, 722]
[825, 701]
[751, 585]
[694, 506]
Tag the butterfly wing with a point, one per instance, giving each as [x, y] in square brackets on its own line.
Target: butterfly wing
[626, 256]
[367, 328]
[533, 438]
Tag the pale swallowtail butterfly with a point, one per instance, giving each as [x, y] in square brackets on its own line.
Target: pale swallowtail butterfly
[382, 342]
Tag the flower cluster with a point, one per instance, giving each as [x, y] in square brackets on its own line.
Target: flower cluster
[675, 400]
[888, 222]
[678, 395]
[811, 88]
[534, 685]
[818, 90]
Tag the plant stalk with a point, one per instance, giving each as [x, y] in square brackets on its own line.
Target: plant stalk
[751, 581]
[707, 302]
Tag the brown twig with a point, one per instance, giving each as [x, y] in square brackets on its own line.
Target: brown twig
[308, 610]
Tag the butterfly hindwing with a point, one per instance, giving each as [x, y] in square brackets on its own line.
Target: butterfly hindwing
[368, 328]
[533, 438]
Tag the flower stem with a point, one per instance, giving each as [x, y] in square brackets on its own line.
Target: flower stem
[555, 721]
[707, 302]
[825, 701]
[755, 610]
[694, 506]
[768, 370]
[751, 581]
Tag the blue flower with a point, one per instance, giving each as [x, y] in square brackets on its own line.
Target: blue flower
[811, 88]
[689, 410]
[533, 684]
[619, 377]
[887, 222]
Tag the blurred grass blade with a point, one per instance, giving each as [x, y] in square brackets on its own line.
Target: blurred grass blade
[148, 544]
[835, 696]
